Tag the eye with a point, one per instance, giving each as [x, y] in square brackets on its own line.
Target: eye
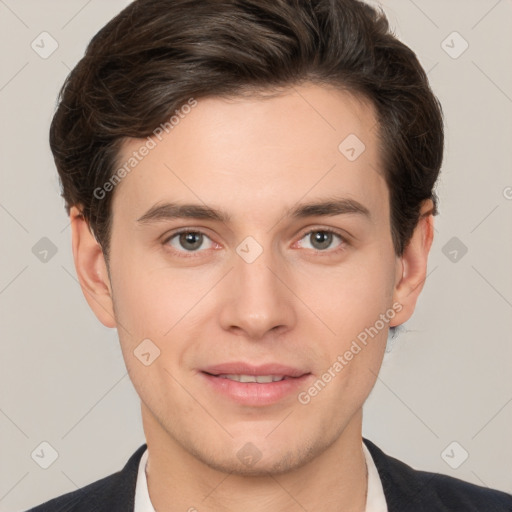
[189, 241]
[322, 239]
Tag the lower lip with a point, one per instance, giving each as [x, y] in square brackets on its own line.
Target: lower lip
[255, 393]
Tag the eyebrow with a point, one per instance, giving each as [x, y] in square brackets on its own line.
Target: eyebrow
[328, 207]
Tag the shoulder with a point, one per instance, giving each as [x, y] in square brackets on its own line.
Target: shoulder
[112, 493]
[407, 489]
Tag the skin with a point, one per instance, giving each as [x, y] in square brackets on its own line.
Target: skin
[254, 158]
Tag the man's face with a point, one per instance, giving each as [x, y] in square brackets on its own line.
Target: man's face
[260, 287]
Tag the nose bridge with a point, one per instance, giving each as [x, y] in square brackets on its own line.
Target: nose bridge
[258, 300]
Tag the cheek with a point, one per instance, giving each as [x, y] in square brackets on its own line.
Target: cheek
[161, 304]
[351, 296]
[356, 303]
[147, 297]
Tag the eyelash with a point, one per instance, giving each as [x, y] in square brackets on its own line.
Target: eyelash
[193, 254]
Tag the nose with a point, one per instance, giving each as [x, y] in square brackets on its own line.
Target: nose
[258, 297]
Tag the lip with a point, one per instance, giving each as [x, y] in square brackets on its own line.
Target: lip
[254, 393]
[240, 368]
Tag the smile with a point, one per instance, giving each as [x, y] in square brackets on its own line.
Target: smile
[254, 386]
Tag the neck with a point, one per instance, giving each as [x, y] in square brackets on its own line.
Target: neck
[334, 480]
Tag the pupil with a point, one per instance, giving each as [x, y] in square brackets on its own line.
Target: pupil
[192, 239]
[323, 238]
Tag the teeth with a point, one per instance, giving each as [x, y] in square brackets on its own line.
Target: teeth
[261, 379]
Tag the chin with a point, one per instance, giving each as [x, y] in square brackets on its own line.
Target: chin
[256, 456]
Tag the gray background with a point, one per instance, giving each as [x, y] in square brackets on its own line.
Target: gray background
[446, 379]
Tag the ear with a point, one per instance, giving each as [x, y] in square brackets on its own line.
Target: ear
[412, 265]
[91, 269]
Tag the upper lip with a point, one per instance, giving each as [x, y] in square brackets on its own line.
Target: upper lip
[240, 368]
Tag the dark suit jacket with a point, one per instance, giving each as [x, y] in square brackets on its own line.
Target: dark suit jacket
[406, 490]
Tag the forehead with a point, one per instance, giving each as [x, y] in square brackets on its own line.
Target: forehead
[309, 140]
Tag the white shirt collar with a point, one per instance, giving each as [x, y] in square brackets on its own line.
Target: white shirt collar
[142, 501]
[375, 500]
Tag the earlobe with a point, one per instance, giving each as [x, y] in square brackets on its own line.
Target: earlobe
[91, 269]
[412, 266]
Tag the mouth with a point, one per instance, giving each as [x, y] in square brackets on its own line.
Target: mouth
[254, 385]
[260, 379]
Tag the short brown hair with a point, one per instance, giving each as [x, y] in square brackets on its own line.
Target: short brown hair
[155, 55]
